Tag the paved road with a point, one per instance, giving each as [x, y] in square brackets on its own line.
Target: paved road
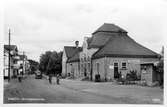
[40, 91]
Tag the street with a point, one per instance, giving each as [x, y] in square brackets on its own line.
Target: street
[32, 90]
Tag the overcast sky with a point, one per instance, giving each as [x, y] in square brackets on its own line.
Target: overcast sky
[41, 25]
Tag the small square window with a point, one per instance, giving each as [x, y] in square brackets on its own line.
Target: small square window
[123, 65]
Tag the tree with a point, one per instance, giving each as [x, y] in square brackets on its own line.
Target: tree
[44, 59]
[33, 65]
[50, 62]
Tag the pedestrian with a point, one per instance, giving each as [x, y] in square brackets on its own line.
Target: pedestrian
[19, 77]
[58, 79]
[50, 78]
[120, 75]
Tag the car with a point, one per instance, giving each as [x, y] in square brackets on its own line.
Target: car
[38, 74]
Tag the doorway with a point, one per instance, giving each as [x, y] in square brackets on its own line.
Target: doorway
[116, 74]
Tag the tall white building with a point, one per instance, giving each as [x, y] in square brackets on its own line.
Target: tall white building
[13, 61]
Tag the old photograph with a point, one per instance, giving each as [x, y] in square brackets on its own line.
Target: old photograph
[84, 51]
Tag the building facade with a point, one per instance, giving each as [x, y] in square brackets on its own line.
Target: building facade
[111, 51]
[18, 63]
[23, 64]
[70, 61]
[13, 61]
[85, 59]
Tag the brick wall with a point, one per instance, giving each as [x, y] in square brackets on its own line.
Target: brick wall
[106, 66]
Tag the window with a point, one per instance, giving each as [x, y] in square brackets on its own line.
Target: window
[115, 64]
[123, 65]
[98, 67]
[89, 67]
[84, 58]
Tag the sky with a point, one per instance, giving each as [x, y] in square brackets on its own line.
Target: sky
[42, 25]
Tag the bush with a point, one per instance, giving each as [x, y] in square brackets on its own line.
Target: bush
[85, 79]
[132, 76]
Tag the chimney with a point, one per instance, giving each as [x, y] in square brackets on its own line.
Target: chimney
[76, 44]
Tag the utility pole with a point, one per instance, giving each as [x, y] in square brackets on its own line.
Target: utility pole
[23, 62]
[9, 59]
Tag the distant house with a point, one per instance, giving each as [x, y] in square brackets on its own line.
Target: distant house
[109, 51]
[70, 60]
[13, 60]
[23, 63]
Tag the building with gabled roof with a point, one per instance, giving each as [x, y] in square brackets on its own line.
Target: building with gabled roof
[70, 60]
[108, 52]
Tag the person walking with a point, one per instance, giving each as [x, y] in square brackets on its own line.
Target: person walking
[19, 77]
[20, 74]
[50, 78]
[58, 79]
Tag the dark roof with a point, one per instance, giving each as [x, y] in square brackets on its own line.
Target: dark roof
[75, 58]
[100, 39]
[123, 46]
[107, 27]
[113, 41]
[71, 51]
[12, 47]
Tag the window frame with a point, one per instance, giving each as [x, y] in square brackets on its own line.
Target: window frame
[98, 67]
[123, 67]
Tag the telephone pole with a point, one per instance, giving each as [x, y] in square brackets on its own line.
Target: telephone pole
[9, 59]
[23, 62]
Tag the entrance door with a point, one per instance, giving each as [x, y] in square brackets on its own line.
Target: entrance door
[85, 70]
[116, 75]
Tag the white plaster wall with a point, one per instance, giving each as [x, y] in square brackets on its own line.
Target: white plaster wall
[64, 60]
